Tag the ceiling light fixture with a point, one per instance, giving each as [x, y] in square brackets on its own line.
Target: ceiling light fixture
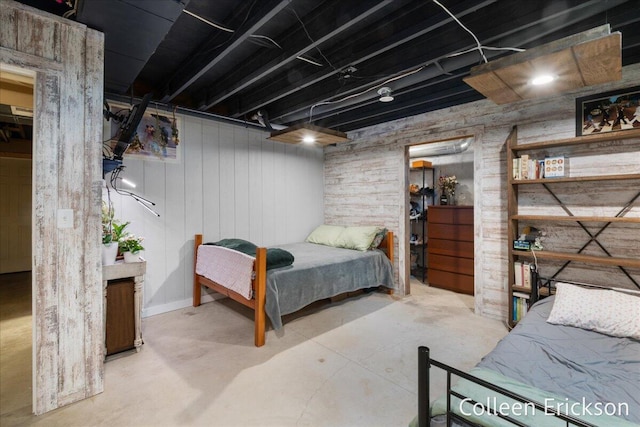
[385, 94]
[308, 133]
[585, 59]
[542, 79]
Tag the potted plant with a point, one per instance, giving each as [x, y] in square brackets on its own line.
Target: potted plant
[130, 245]
[109, 246]
[112, 231]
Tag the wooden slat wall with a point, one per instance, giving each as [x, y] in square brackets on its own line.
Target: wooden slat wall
[231, 182]
[366, 179]
[67, 59]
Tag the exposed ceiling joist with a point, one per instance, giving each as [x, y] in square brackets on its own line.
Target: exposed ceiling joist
[209, 71]
[182, 81]
[399, 38]
[509, 34]
[361, 11]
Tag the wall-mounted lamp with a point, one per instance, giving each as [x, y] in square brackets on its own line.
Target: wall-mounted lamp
[385, 94]
[145, 203]
[125, 181]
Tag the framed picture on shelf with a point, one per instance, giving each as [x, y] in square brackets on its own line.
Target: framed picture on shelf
[608, 112]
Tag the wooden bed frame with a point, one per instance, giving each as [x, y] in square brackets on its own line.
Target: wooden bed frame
[258, 284]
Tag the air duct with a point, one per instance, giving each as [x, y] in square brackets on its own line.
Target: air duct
[443, 148]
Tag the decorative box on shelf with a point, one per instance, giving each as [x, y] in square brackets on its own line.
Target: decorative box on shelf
[421, 164]
[555, 167]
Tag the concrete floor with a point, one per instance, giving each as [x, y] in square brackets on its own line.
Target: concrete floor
[352, 363]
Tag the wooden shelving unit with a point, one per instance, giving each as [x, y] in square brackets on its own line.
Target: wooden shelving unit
[515, 218]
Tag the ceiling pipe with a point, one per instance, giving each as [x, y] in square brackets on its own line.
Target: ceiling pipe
[443, 148]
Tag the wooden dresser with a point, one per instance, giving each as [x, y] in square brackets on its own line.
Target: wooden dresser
[450, 248]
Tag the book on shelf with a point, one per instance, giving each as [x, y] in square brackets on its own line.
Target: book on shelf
[526, 275]
[520, 307]
[525, 167]
[517, 269]
[523, 275]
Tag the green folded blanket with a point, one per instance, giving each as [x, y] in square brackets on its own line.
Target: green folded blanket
[276, 257]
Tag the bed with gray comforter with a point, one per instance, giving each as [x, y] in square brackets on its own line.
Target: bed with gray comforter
[589, 375]
[321, 272]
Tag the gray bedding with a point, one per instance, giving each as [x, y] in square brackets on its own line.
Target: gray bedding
[570, 362]
[320, 272]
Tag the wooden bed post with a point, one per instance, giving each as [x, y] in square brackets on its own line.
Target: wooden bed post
[390, 246]
[260, 294]
[197, 291]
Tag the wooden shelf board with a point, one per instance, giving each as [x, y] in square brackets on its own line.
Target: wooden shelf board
[622, 177]
[524, 289]
[591, 259]
[574, 218]
[586, 139]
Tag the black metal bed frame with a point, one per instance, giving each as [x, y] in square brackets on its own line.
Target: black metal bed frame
[424, 416]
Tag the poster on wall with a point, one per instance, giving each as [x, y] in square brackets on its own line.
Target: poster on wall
[608, 112]
[156, 137]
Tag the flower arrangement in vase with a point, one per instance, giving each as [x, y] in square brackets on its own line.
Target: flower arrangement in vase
[447, 185]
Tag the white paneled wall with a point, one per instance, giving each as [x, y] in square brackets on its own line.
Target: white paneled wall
[230, 182]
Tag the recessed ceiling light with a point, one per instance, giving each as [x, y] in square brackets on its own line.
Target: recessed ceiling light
[542, 79]
[309, 139]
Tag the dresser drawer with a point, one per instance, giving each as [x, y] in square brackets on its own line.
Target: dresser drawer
[451, 281]
[450, 214]
[450, 247]
[450, 232]
[451, 264]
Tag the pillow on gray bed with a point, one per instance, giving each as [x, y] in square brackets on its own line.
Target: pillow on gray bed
[607, 311]
[276, 257]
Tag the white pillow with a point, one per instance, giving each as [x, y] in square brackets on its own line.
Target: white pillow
[607, 311]
[327, 235]
[358, 238]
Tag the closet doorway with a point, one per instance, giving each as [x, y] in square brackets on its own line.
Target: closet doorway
[439, 229]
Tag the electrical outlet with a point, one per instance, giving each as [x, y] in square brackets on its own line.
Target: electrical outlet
[65, 218]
